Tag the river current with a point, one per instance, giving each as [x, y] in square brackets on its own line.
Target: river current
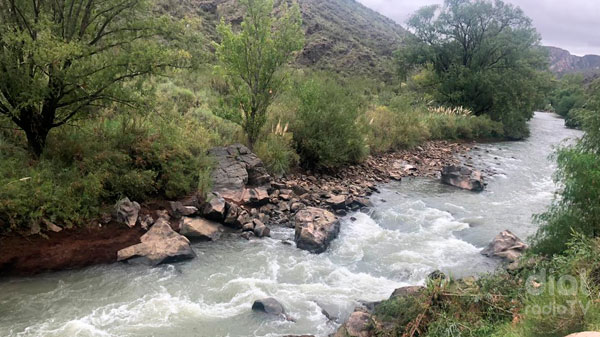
[417, 226]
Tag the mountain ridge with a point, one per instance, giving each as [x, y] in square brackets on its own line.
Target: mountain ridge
[562, 62]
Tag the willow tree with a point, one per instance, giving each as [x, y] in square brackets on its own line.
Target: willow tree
[253, 58]
[484, 55]
[62, 59]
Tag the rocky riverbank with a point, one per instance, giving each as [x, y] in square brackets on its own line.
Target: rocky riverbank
[246, 202]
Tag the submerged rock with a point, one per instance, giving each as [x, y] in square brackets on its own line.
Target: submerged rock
[315, 229]
[463, 177]
[269, 305]
[160, 245]
[507, 246]
[199, 228]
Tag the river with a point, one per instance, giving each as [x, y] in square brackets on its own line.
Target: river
[417, 226]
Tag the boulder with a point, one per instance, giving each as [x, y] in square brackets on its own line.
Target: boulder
[586, 334]
[358, 325]
[407, 291]
[178, 210]
[260, 229]
[215, 208]
[506, 246]
[235, 168]
[127, 212]
[463, 177]
[161, 244]
[255, 197]
[315, 229]
[337, 201]
[199, 228]
[269, 306]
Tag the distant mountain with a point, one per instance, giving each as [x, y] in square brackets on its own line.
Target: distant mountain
[341, 35]
[562, 62]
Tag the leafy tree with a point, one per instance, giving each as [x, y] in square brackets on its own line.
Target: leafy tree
[484, 55]
[61, 60]
[577, 208]
[568, 96]
[254, 57]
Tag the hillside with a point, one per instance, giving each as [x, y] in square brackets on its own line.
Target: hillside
[562, 62]
[341, 35]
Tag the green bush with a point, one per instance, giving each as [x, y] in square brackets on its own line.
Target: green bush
[326, 133]
[87, 168]
[277, 152]
[389, 130]
[577, 208]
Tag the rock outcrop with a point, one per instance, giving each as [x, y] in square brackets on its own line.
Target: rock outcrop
[507, 246]
[315, 229]
[201, 229]
[236, 169]
[161, 244]
[463, 177]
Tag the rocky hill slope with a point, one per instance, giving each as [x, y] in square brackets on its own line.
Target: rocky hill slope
[562, 62]
[341, 35]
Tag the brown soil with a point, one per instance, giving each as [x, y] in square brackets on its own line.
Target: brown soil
[69, 249]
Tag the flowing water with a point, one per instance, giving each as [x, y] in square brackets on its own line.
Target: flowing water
[417, 226]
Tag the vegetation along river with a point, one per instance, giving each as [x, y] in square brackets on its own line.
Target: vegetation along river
[417, 226]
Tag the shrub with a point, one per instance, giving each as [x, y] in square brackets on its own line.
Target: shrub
[326, 133]
[393, 130]
[277, 152]
[88, 168]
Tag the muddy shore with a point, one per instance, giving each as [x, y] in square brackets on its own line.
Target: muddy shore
[99, 243]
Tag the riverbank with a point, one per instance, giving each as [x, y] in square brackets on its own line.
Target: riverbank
[99, 242]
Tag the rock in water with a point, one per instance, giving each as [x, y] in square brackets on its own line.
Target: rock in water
[160, 245]
[270, 306]
[506, 246]
[463, 177]
[315, 229]
[198, 228]
[127, 212]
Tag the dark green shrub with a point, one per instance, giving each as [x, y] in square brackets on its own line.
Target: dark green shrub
[326, 133]
[277, 153]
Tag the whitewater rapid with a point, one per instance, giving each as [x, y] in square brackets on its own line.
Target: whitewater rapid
[416, 227]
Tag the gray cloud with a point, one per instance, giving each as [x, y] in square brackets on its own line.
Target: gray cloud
[573, 25]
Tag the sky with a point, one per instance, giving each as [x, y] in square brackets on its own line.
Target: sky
[573, 25]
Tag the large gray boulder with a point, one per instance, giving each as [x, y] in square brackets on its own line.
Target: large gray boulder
[315, 229]
[463, 177]
[507, 246]
[237, 167]
[199, 228]
[161, 244]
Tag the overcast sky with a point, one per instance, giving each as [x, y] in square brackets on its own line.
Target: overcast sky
[569, 24]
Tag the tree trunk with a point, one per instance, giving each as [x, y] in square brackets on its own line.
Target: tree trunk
[36, 140]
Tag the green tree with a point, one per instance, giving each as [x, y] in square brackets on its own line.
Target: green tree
[253, 58]
[61, 60]
[577, 208]
[484, 55]
[568, 96]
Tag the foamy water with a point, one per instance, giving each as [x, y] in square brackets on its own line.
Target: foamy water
[417, 226]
